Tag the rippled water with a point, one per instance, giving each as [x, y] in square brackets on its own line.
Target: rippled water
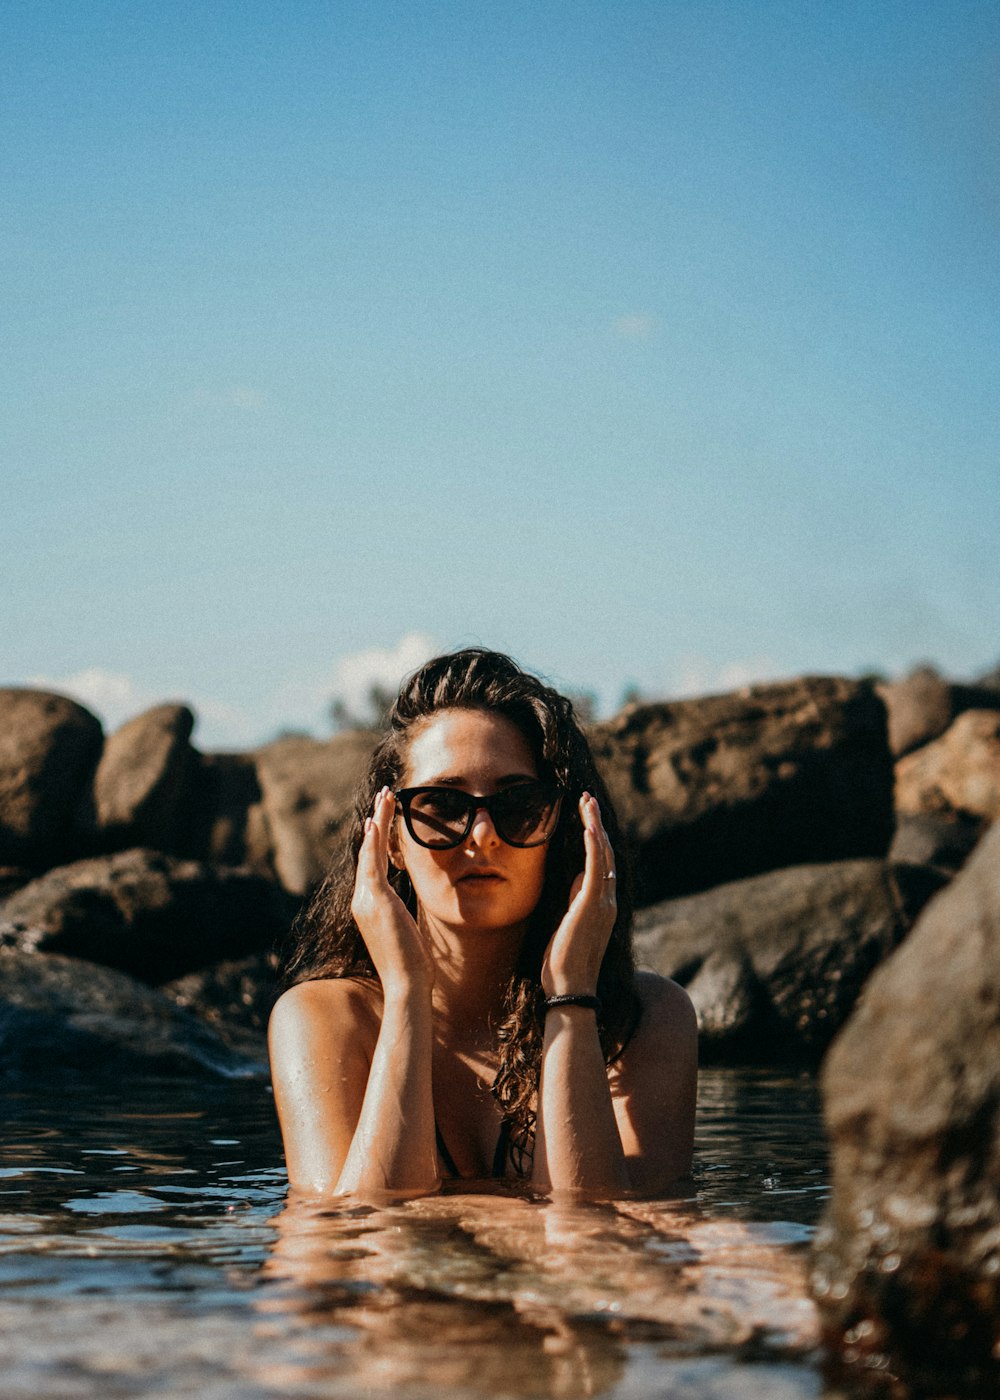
[147, 1249]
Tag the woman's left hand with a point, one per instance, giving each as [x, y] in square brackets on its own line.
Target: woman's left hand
[576, 950]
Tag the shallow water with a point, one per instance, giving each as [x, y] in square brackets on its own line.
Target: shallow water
[147, 1249]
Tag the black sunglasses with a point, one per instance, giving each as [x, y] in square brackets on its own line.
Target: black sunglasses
[442, 817]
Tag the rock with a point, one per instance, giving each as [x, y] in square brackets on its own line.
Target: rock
[49, 747]
[940, 840]
[225, 821]
[308, 788]
[60, 1013]
[146, 913]
[923, 705]
[234, 997]
[142, 781]
[729, 786]
[775, 963]
[960, 772]
[906, 1265]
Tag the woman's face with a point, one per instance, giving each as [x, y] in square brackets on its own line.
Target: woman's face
[482, 883]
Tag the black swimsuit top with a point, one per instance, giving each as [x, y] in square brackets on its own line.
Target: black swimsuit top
[499, 1157]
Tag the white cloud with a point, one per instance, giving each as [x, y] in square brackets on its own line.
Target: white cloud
[635, 325]
[299, 705]
[355, 675]
[112, 696]
[697, 675]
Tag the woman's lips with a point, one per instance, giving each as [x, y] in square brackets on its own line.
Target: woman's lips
[480, 875]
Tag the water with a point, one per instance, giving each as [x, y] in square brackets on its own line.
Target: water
[147, 1250]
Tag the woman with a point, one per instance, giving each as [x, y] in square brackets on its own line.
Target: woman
[463, 1000]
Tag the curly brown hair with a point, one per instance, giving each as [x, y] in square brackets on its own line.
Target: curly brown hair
[325, 939]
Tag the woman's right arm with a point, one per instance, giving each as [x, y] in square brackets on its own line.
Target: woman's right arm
[354, 1093]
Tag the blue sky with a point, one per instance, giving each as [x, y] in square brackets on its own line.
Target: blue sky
[656, 343]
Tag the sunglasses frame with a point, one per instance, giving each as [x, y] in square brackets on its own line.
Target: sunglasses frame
[479, 804]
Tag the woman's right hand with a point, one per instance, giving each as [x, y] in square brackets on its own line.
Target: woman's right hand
[398, 949]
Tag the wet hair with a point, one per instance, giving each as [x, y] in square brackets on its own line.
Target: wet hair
[326, 942]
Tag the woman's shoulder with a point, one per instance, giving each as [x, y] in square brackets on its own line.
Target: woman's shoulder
[668, 1018]
[330, 1007]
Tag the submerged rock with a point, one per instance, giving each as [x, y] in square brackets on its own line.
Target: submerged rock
[59, 1013]
[774, 964]
[235, 997]
[733, 785]
[906, 1266]
[49, 747]
[146, 913]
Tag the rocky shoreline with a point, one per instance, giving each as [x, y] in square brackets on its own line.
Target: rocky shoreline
[808, 856]
[784, 837]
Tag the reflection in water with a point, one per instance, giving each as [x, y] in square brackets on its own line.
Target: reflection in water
[497, 1294]
[147, 1250]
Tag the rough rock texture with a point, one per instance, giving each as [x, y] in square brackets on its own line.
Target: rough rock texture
[960, 772]
[716, 789]
[308, 790]
[907, 1261]
[49, 747]
[225, 820]
[60, 1013]
[146, 913]
[234, 997]
[923, 704]
[142, 781]
[774, 964]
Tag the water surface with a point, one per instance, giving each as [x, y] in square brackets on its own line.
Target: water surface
[148, 1248]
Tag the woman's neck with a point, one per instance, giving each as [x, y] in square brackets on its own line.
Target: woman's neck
[473, 971]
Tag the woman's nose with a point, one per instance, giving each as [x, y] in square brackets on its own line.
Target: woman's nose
[483, 832]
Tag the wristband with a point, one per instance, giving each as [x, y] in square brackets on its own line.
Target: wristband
[589, 1003]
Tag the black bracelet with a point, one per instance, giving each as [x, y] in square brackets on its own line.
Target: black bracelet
[590, 1003]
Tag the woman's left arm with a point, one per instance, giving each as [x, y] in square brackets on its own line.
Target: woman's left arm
[588, 1138]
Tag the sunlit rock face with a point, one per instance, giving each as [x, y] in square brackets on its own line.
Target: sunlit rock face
[958, 773]
[906, 1266]
[49, 748]
[732, 785]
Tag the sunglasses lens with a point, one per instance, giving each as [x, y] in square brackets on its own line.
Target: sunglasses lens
[439, 817]
[526, 816]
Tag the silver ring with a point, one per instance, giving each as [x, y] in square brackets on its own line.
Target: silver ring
[610, 876]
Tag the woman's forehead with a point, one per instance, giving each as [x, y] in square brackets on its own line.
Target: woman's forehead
[468, 746]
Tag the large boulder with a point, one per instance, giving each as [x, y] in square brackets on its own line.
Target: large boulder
[225, 820]
[923, 704]
[906, 1267]
[146, 913]
[49, 748]
[61, 1013]
[960, 772]
[732, 785]
[775, 963]
[308, 788]
[142, 781]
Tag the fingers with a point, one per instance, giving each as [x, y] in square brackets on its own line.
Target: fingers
[374, 852]
[600, 876]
